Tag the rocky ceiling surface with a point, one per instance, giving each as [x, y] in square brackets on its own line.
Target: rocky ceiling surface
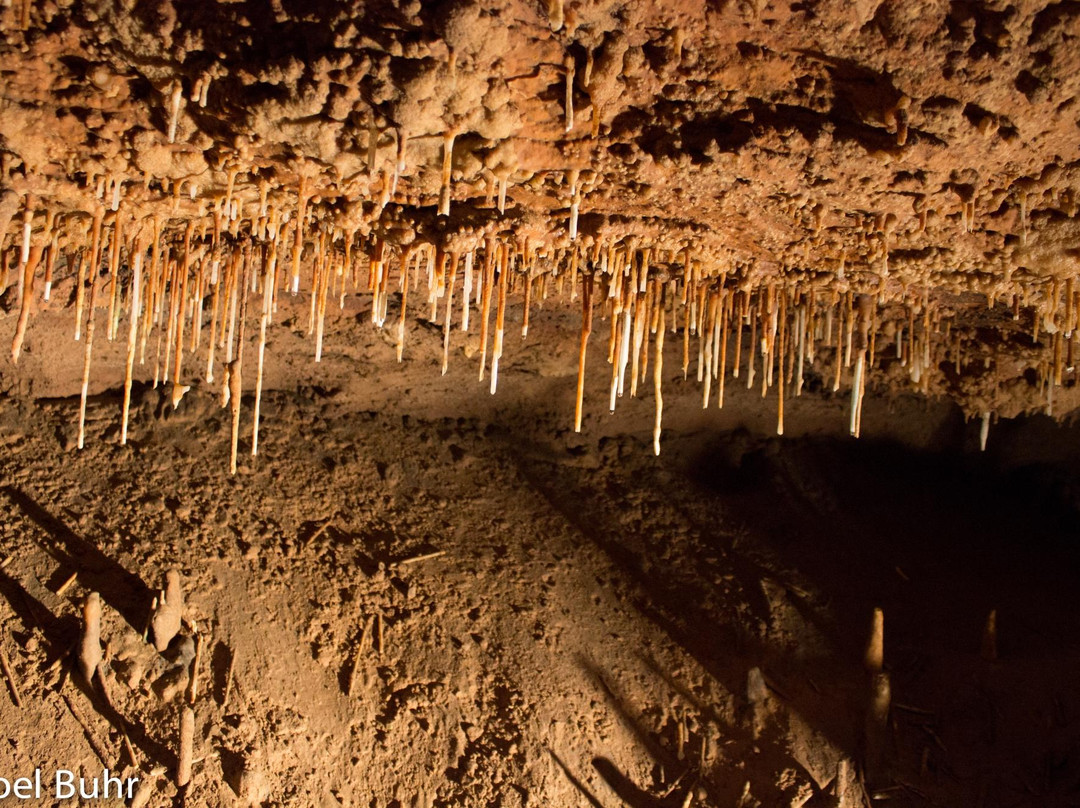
[787, 134]
[771, 158]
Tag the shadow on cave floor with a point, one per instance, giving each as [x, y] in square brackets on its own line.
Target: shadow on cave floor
[754, 551]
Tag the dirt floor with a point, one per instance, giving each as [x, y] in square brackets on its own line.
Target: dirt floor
[422, 595]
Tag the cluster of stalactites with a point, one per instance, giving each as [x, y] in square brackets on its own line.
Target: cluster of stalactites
[199, 287]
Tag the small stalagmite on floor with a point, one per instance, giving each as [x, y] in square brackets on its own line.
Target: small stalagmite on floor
[90, 653]
[168, 616]
[874, 658]
[876, 729]
[186, 745]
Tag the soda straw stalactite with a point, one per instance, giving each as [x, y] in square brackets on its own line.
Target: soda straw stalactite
[154, 288]
[780, 353]
[211, 348]
[269, 259]
[527, 303]
[569, 100]
[447, 165]
[80, 284]
[725, 322]
[28, 268]
[485, 309]
[466, 291]
[133, 334]
[298, 233]
[404, 279]
[658, 376]
[586, 330]
[319, 295]
[176, 95]
[88, 348]
[449, 310]
[178, 390]
[234, 378]
[114, 272]
[500, 315]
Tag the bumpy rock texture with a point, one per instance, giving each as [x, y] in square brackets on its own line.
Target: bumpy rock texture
[784, 129]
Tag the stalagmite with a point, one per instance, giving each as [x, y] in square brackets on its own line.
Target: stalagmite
[364, 639]
[875, 647]
[877, 726]
[148, 783]
[90, 642]
[757, 698]
[168, 615]
[186, 752]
